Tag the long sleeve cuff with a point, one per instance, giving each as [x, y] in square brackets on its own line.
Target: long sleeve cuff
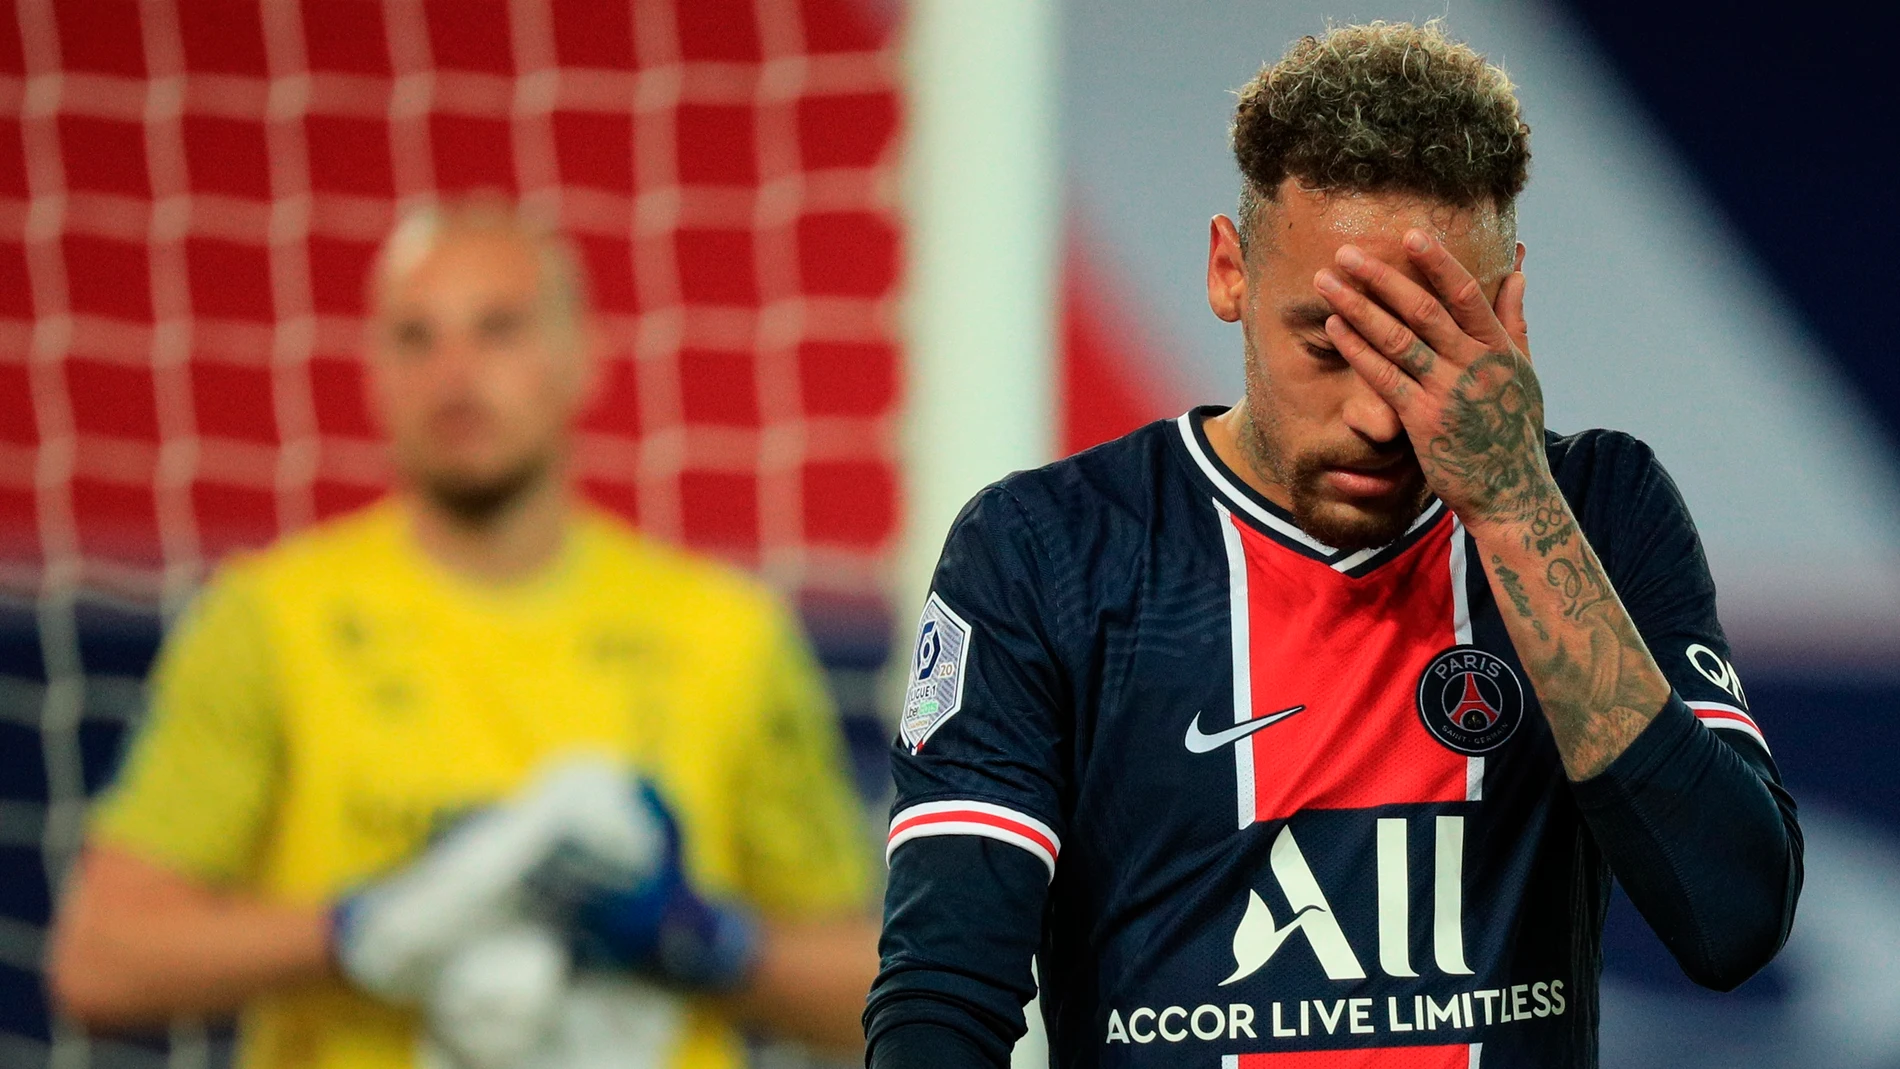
[1660, 744]
[1705, 844]
[929, 1045]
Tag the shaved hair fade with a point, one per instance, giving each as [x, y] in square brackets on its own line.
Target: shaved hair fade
[1385, 107]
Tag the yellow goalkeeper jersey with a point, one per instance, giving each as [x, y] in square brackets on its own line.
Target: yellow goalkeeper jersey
[325, 704]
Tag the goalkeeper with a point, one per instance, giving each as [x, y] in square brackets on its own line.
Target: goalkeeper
[477, 776]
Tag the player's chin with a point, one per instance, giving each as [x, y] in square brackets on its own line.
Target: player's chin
[1359, 522]
[479, 489]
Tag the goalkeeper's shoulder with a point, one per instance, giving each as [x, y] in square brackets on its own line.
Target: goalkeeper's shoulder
[245, 604]
[632, 572]
[363, 544]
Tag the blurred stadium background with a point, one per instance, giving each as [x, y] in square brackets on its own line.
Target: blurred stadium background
[861, 256]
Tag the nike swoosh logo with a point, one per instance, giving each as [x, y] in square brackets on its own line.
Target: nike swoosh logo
[1199, 741]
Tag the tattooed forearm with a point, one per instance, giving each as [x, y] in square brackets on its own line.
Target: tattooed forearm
[1580, 584]
[1597, 682]
[1514, 589]
[1473, 410]
[1550, 528]
[1597, 701]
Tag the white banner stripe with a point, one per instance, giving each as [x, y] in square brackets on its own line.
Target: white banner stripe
[958, 827]
[924, 809]
[1460, 599]
[965, 816]
[1728, 718]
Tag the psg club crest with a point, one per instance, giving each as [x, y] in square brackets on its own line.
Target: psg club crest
[935, 692]
[1470, 700]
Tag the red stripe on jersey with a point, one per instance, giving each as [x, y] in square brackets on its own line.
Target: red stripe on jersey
[971, 816]
[1718, 715]
[1351, 650]
[1711, 711]
[1458, 1057]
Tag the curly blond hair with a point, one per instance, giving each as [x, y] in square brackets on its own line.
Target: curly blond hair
[1386, 107]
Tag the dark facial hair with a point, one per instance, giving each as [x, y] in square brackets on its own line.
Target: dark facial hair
[1328, 519]
[477, 503]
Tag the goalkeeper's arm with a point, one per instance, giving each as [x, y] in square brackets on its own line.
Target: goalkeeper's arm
[147, 929]
[810, 981]
[138, 944]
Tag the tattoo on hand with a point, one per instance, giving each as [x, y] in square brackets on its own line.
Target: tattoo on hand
[1492, 442]
[1485, 455]
[1419, 359]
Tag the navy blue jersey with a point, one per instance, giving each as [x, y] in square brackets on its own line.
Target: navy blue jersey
[1255, 803]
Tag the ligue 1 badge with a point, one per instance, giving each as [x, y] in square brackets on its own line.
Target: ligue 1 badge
[935, 692]
[1470, 699]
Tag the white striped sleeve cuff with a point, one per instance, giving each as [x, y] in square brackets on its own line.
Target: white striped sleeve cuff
[975, 818]
[1729, 718]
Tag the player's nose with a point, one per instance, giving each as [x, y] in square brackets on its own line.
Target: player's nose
[1368, 414]
[454, 364]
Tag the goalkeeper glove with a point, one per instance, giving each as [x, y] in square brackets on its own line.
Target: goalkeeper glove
[569, 835]
[497, 1000]
[662, 928]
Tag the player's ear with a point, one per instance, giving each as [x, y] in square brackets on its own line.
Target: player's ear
[1226, 269]
[1517, 261]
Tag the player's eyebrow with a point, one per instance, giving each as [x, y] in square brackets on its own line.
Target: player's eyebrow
[1306, 314]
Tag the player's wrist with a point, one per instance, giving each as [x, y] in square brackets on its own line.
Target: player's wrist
[673, 935]
[337, 923]
[1538, 513]
[710, 946]
[567, 837]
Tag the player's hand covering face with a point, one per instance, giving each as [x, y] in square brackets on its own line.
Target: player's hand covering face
[1327, 444]
[1454, 365]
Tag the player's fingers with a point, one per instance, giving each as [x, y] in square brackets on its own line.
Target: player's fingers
[1386, 378]
[1463, 297]
[1373, 324]
[1420, 309]
[1510, 310]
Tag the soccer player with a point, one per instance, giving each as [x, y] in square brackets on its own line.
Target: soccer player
[1310, 732]
[329, 712]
